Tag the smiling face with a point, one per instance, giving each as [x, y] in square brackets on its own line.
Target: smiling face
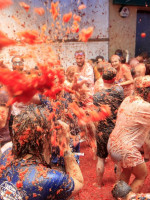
[80, 60]
[115, 61]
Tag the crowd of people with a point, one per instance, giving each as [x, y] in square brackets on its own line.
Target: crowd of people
[40, 154]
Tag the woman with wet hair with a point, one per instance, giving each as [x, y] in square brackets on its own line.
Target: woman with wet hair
[26, 171]
[123, 77]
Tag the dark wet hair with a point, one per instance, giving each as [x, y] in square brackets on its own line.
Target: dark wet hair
[109, 73]
[120, 190]
[143, 92]
[133, 72]
[144, 54]
[93, 60]
[99, 57]
[119, 52]
[30, 132]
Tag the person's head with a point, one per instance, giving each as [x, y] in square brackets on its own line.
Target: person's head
[17, 63]
[119, 52]
[80, 58]
[115, 61]
[99, 59]
[142, 87]
[109, 74]
[142, 57]
[121, 190]
[102, 65]
[147, 65]
[70, 72]
[92, 62]
[31, 134]
[140, 70]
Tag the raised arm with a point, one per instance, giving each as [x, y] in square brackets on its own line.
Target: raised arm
[71, 166]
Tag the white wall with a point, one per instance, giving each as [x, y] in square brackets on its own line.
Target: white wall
[96, 14]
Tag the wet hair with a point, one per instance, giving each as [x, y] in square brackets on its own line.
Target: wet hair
[132, 72]
[30, 133]
[99, 57]
[93, 60]
[142, 86]
[148, 61]
[36, 68]
[144, 54]
[109, 73]
[70, 69]
[119, 52]
[143, 92]
[121, 190]
[116, 57]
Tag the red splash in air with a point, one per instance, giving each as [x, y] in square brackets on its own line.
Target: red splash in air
[75, 27]
[39, 11]
[22, 87]
[24, 5]
[85, 34]
[5, 41]
[81, 7]
[77, 18]
[54, 10]
[143, 35]
[67, 17]
[5, 3]
[29, 36]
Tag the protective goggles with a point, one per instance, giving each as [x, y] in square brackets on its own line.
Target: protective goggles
[79, 54]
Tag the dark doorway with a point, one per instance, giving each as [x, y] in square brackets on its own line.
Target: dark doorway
[142, 26]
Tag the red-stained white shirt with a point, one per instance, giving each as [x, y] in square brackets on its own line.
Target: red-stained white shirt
[131, 129]
[87, 73]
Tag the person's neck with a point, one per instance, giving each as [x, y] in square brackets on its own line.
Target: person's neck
[80, 68]
[108, 85]
[118, 68]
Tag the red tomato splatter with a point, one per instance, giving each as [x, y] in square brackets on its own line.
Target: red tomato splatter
[85, 34]
[67, 17]
[34, 195]
[54, 10]
[5, 3]
[30, 37]
[77, 18]
[75, 27]
[19, 184]
[81, 7]
[39, 11]
[5, 41]
[38, 128]
[24, 5]
[143, 35]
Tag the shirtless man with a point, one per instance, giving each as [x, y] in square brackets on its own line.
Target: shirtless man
[140, 70]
